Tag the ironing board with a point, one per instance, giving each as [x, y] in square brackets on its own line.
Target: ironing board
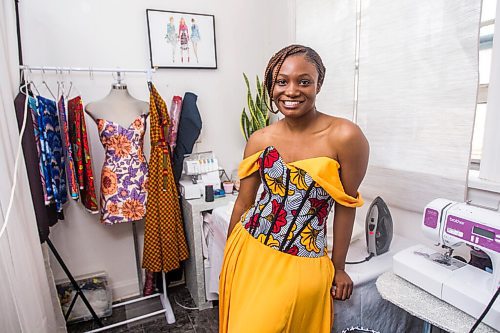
[426, 306]
[366, 308]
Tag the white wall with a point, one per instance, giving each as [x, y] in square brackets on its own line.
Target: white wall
[113, 33]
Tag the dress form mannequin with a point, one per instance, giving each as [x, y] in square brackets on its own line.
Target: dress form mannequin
[118, 106]
[121, 123]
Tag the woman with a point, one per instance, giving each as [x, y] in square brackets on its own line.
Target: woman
[276, 276]
[171, 36]
[184, 38]
[195, 37]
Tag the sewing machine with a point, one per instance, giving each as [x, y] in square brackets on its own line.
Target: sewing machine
[451, 224]
[199, 169]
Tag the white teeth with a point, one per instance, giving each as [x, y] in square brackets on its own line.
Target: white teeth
[291, 103]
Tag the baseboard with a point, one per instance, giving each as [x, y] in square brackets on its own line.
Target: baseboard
[125, 289]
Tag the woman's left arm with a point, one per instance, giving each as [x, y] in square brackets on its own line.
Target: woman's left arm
[352, 153]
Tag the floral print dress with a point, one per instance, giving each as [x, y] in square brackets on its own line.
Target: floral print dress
[124, 173]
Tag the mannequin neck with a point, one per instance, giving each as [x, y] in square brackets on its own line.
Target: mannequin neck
[119, 92]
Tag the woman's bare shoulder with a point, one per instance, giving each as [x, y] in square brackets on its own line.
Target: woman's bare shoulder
[260, 140]
[344, 131]
[349, 142]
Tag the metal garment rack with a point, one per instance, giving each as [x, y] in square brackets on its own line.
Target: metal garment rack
[90, 70]
[76, 287]
[167, 307]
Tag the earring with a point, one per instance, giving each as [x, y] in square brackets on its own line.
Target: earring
[270, 108]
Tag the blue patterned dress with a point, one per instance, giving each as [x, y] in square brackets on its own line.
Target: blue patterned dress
[52, 152]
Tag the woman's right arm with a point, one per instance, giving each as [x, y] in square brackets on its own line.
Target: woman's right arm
[248, 185]
[246, 198]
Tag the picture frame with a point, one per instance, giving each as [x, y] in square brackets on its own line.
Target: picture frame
[181, 39]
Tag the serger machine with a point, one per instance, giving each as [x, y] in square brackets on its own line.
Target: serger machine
[464, 286]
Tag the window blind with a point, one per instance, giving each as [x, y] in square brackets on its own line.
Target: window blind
[329, 27]
[417, 90]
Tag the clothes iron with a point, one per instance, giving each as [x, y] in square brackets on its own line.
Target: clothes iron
[378, 228]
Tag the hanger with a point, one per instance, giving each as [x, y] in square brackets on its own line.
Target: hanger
[149, 78]
[60, 82]
[46, 85]
[71, 85]
[25, 83]
[31, 83]
[119, 84]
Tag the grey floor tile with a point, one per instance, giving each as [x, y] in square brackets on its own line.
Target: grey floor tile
[182, 324]
[206, 321]
[142, 308]
[187, 321]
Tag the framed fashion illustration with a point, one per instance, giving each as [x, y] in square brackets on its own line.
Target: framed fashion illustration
[181, 40]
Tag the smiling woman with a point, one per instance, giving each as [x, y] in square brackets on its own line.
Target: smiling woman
[288, 79]
[308, 162]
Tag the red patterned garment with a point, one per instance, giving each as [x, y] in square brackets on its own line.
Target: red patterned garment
[67, 150]
[81, 154]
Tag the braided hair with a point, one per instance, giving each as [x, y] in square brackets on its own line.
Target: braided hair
[274, 65]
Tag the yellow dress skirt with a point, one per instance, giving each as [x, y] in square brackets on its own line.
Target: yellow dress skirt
[263, 290]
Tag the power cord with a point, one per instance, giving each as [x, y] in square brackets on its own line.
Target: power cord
[16, 166]
[488, 307]
[183, 306]
[359, 262]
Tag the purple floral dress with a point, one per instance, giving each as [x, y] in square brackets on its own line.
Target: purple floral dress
[124, 173]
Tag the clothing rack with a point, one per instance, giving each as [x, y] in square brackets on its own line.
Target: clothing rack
[90, 70]
[167, 307]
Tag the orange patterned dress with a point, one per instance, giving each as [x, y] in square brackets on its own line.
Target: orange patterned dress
[164, 240]
[124, 172]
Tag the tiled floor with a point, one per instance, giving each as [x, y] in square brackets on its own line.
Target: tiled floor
[189, 321]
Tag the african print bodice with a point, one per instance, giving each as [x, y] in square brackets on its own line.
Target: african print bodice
[292, 211]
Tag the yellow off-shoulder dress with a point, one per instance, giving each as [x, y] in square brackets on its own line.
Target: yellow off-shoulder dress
[276, 276]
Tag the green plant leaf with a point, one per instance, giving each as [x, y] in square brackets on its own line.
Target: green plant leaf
[258, 110]
[258, 116]
[262, 105]
[250, 102]
[245, 125]
[259, 86]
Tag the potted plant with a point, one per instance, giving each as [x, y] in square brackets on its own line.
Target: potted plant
[258, 109]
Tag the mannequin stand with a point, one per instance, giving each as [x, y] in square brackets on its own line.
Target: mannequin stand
[167, 309]
[165, 302]
[137, 257]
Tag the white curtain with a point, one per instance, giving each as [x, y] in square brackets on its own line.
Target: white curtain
[418, 79]
[26, 295]
[417, 87]
[329, 27]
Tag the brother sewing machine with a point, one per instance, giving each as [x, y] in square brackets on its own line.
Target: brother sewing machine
[464, 286]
